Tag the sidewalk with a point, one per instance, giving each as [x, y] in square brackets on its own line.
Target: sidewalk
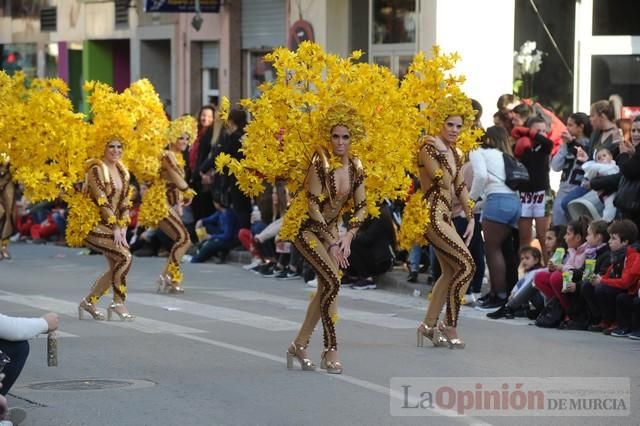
[395, 280]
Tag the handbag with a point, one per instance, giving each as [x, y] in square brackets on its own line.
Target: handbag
[628, 196]
[516, 174]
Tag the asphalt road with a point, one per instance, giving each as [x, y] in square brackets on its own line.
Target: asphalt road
[215, 355]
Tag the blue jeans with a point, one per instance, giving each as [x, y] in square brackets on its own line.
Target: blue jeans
[415, 254]
[18, 352]
[211, 247]
[572, 195]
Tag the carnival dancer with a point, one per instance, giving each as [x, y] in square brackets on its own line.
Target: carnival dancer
[318, 239]
[107, 184]
[178, 194]
[7, 203]
[439, 163]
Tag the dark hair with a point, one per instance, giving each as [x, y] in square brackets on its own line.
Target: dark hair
[239, 117]
[582, 119]
[559, 231]
[625, 229]
[498, 138]
[636, 119]
[202, 108]
[218, 198]
[534, 120]
[599, 227]
[524, 111]
[580, 226]
[478, 107]
[534, 252]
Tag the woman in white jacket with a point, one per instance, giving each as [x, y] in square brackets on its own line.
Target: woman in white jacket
[14, 333]
[501, 210]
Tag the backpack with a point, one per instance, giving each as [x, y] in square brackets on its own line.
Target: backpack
[516, 174]
[551, 315]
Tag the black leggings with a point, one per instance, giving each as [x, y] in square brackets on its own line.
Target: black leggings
[18, 352]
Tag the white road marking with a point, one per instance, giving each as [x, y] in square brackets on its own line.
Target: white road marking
[144, 325]
[369, 318]
[215, 312]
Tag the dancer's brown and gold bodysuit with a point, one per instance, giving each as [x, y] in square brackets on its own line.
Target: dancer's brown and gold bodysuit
[319, 231]
[7, 203]
[114, 206]
[177, 189]
[440, 178]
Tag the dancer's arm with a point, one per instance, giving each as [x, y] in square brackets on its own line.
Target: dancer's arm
[97, 191]
[314, 200]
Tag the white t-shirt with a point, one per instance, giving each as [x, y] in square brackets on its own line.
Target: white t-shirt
[488, 173]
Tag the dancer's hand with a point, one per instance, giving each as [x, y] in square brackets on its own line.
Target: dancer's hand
[345, 246]
[468, 233]
[336, 253]
[119, 238]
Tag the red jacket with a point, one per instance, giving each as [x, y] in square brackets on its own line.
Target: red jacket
[630, 273]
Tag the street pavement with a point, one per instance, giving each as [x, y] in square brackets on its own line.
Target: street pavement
[216, 355]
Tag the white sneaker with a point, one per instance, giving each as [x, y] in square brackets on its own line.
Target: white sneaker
[313, 283]
[469, 299]
[186, 258]
[5, 423]
[255, 262]
[15, 238]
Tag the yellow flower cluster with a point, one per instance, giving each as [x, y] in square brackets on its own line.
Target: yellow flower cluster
[415, 219]
[173, 271]
[431, 86]
[224, 108]
[136, 117]
[49, 144]
[83, 217]
[178, 127]
[45, 137]
[154, 207]
[292, 119]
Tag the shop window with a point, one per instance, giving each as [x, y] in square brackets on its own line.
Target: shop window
[394, 21]
[616, 74]
[616, 17]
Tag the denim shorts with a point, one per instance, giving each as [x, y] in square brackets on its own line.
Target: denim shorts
[503, 208]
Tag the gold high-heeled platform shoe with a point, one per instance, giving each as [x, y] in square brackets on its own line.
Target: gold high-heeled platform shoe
[432, 333]
[90, 308]
[332, 367]
[454, 343]
[175, 289]
[124, 316]
[294, 352]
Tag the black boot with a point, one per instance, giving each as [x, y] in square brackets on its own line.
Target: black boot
[503, 312]
[413, 277]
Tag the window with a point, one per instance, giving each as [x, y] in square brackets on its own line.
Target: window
[619, 74]
[394, 21]
[616, 17]
[259, 72]
[210, 77]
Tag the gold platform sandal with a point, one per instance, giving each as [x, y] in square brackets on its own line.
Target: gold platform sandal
[295, 352]
[432, 333]
[454, 343]
[91, 309]
[332, 367]
[124, 316]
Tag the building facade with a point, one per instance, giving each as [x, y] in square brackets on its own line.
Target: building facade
[117, 41]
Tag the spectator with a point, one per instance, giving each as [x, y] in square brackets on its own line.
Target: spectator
[501, 211]
[574, 139]
[603, 166]
[14, 333]
[372, 250]
[533, 149]
[524, 291]
[550, 282]
[221, 231]
[598, 249]
[621, 276]
[605, 132]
